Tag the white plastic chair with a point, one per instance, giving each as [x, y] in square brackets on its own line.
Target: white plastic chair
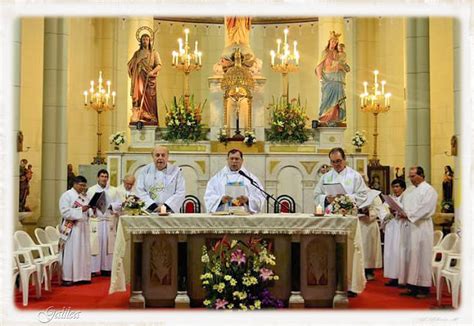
[437, 237]
[440, 253]
[45, 260]
[52, 233]
[26, 269]
[43, 238]
[452, 274]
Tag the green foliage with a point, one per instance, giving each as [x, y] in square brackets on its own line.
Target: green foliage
[184, 123]
[287, 122]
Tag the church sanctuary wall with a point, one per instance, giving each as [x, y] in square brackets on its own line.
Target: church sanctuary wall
[441, 98]
[381, 45]
[85, 53]
[31, 103]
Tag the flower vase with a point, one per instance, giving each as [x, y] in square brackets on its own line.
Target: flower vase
[116, 147]
[358, 149]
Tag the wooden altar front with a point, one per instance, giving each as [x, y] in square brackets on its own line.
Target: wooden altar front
[317, 257]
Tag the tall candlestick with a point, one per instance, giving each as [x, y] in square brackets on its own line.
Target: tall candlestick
[85, 97]
[278, 46]
[365, 87]
[383, 86]
[113, 98]
[180, 42]
[272, 53]
[294, 47]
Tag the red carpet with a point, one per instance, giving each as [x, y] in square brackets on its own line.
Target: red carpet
[95, 296]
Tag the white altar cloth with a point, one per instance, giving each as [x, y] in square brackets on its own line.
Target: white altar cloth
[292, 224]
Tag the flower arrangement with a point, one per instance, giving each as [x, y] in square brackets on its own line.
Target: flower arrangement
[183, 122]
[118, 138]
[287, 122]
[237, 275]
[359, 139]
[222, 136]
[344, 205]
[250, 138]
[133, 205]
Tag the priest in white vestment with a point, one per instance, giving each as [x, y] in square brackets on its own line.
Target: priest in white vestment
[234, 173]
[126, 188]
[373, 208]
[351, 181]
[161, 183]
[419, 205]
[103, 226]
[355, 187]
[75, 251]
[391, 226]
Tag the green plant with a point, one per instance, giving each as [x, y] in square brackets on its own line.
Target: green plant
[287, 122]
[237, 275]
[184, 122]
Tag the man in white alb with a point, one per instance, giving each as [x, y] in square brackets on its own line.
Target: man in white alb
[126, 188]
[103, 226]
[161, 183]
[75, 250]
[391, 249]
[370, 232]
[351, 180]
[355, 187]
[419, 205]
[233, 174]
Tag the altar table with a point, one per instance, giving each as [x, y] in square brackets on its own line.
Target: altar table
[325, 251]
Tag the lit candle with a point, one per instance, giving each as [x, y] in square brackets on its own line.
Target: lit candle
[278, 47]
[108, 86]
[163, 209]
[92, 84]
[186, 32]
[113, 98]
[361, 100]
[189, 60]
[85, 97]
[286, 36]
[180, 42]
[100, 77]
[365, 87]
[319, 210]
[272, 53]
[383, 86]
[199, 58]
[388, 98]
[297, 57]
[376, 72]
[196, 47]
[294, 47]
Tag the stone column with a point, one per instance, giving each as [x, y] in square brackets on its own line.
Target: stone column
[418, 144]
[16, 116]
[54, 140]
[458, 107]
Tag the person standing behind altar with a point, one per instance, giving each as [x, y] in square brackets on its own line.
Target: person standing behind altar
[103, 226]
[419, 205]
[233, 174]
[161, 183]
[351, 181]
[391, 226]
[74, 243]
[373, 208]
[126, 188]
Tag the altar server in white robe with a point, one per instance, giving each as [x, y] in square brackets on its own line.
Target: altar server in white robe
[233, 174]
[373, 208]
[126, 188]
[351, 181]
[355, 187]
[419, 205]
[103, 226]
[75, 251]
[391, 226]
[161, 183]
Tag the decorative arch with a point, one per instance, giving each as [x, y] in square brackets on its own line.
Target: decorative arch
[290, 182]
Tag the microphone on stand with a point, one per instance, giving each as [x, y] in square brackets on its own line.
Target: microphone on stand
[242, 173]
[255, 184]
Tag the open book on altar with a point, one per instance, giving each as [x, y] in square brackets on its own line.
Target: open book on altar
[393, 205]
[99, 201]
[333, 189]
